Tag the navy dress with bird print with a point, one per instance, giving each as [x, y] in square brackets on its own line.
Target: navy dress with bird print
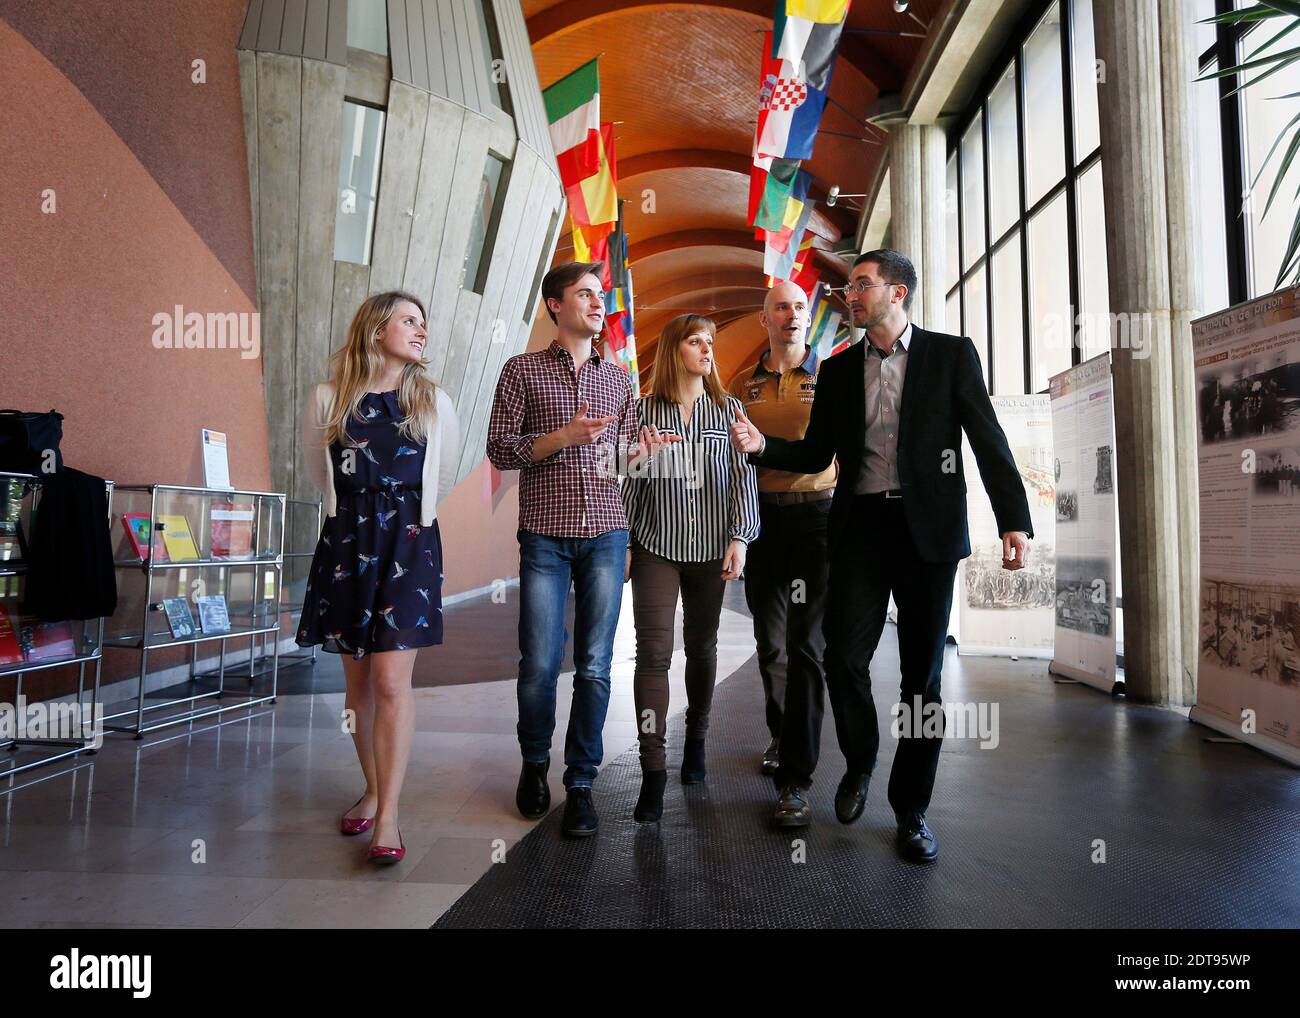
[376, 578]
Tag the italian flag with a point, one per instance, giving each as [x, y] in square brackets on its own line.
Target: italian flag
[573, 111]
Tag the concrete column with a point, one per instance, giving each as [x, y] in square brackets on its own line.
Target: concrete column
[934, 234]
[916, 197]
[1186, 290]
[1153, 535]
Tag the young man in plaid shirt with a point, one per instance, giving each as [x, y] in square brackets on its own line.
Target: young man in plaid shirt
[564, 417]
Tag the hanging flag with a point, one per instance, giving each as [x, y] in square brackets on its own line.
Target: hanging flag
[779, 239]
[762, 165]
[573, 112]
[828, 331]
[594, 207]
[803, 274]
[591, 244]
[775, 197]
[806, 34]
[792, 105]
[778, 262]
[620, 339]
[593, 199]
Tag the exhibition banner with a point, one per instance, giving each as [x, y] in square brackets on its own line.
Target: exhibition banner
[1083, 468]
[1001, 611]
[1248, 440]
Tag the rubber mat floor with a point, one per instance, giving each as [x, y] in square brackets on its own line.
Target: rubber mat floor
[1088, 812]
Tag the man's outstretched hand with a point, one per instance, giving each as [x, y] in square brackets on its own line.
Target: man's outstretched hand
[584, 430]
[744, 436]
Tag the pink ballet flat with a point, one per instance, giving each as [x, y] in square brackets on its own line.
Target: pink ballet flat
[384, 856]
[356, 825]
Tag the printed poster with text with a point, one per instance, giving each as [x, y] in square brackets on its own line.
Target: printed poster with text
[1084, 471]
[1248, 439]
[1011, 612]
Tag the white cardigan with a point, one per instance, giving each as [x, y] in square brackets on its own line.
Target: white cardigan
[441, 454]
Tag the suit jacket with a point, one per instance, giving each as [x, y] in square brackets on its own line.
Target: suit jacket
[943, 394]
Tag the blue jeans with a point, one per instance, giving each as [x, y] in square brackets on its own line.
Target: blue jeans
[547, 566]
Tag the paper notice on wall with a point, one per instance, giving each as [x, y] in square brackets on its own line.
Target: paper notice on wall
[1084, 472]
[1247, 362]
[1011, 612]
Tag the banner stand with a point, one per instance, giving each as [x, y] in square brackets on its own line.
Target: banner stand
[1263, 743]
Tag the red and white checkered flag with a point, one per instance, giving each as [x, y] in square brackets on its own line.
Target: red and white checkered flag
[789, 94]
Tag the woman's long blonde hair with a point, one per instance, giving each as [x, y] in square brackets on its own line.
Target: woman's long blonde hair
[668, 375]
[355, 365]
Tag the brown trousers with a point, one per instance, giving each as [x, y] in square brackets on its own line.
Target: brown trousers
[656, 583]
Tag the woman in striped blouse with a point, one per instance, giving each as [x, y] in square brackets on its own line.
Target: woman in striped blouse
[692, 509]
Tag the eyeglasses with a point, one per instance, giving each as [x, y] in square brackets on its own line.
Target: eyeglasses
[861, 287]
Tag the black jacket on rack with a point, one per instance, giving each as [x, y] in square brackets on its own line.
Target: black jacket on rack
[70, 571]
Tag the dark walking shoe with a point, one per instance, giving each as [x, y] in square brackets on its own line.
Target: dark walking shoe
[693, 770]
[650, 804]
[792, 808]
[579, 814]
[916, 842]
[533, 796]
[851, 796]
[772, 757]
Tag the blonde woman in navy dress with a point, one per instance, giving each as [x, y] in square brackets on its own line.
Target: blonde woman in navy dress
[382, 443]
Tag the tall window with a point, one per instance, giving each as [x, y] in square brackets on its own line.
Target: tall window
[1027, 243]
[368, 25]
[361, 139]
[1241, 247]
[483, 228]
[498, 81]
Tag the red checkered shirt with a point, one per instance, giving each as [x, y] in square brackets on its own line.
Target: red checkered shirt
[573, 492]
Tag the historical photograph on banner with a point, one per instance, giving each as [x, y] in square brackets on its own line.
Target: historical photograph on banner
[1003, 611]
[1248, 409]
[1084, 511]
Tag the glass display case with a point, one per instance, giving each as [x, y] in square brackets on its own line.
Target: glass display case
[29, 644]
[196, 566]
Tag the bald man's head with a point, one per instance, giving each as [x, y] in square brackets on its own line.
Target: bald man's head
[785, 315]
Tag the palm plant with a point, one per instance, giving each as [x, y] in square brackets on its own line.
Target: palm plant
[1261, 67]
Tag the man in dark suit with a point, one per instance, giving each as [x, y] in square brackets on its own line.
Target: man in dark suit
[892, 409]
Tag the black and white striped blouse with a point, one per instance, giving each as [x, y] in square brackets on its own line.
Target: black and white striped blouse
[696, 495]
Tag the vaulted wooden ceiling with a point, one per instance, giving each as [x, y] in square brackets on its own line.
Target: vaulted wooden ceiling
[681, 81]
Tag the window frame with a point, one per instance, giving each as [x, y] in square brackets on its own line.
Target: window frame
[1226, 52]
[1012, 55]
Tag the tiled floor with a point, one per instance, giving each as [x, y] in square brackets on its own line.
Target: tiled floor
[235, 824]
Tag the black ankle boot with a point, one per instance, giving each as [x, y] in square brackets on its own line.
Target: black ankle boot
[693, 771]
[533, 796]
[650, 804]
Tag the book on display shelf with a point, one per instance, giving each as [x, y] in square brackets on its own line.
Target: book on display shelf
[47, 641]
[214, 617]
[179, 618]
[11, 651]
[138, 527]
[178, 537]
[232, 530]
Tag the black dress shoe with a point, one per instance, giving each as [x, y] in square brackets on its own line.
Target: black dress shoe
[916, 842]
[772, 756]
[792, 808]
[533, 796]
[851, 796]
[693, 771]
[650, 804]
[579, 814]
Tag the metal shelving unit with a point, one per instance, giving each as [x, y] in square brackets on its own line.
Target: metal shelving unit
[260, 619]
[257, 665]
[90, 651]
